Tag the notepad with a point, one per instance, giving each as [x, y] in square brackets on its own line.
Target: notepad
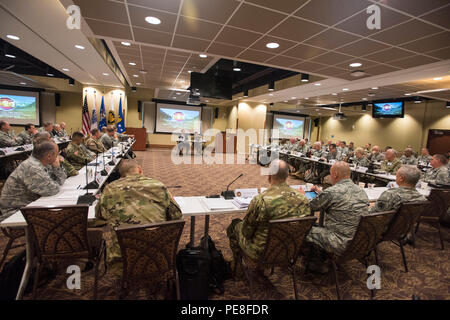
[217, 204]
[241, 203]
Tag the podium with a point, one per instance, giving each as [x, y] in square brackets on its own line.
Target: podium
[140, 134]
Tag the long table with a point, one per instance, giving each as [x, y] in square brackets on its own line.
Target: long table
[68, 195]
[11, 151]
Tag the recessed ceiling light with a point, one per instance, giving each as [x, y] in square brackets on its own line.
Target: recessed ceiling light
[364, 98]
[131, 63]
[355, 64]
[374, 88]
[206, 100]
[138, 83]
[202, 55]
[237, 69]
[190, 71]
[79, 47]
[12, 37]
[9, 56]
[306, 98]
[407, 94]
[285, 101]
[298, 110]
[317, 84]
[334, 94]
[65, 69]
[23, 83]
[135, 75]
[272, 45]
[345, 89]
[50, 74]
[437, 78]
[174, 97]
[152, 20]
[292, 98]
[126, 43]
[105, 74]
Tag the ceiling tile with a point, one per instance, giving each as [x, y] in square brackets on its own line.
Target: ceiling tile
[151, 36]
[439, 17]
[197, 28]
[212, 10]
[287, 6]
[330, 12]
[413, 61]
[138, 15]
[255, 18]
[388, 55]
[107, 29]
[303, 51]
[103, 10]
[237, 37]
[358, 23]
[190, 43]
[309, 66]
[253, 55]
[224, 49]
[331, 58]
[431, 43]
[380, 69]
[296, 29]
[440, 54]
[405, 32]
[171, 6]
[331, 71]
[415, 8]
[362, 47]
[283, 61]
[331, 39]
[284, 44]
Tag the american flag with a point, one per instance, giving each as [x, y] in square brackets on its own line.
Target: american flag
[86, 119]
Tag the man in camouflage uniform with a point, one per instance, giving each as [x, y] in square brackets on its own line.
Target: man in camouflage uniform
[26, 136]
[376, 155]
[359, 159]
[39, 176]
[344, 150]
[277, 202]
[317, 150]
[439, 173]
[109, 139]
[7, 140]
[94, 144]
[47, 127]
[302, 164]
[424, 156]
[391, 163]
[302, 147]
[63, 132]
[408, 157]
[344, 203]
[77, 156]
[351, 148]
[132, 200]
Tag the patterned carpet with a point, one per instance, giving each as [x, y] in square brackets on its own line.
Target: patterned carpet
[429, 267]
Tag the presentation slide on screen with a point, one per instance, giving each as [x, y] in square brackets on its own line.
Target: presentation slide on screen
[19, 107]
[174, 118]
[388, 109]
[288, 126]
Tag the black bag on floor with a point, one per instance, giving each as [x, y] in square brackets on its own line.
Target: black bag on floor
[193, 266]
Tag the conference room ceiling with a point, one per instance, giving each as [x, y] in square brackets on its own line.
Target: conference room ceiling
[319, 37]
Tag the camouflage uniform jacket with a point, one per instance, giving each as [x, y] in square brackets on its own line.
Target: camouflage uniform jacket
[408, 160]
[277, 202]
[344, 203]
[302, 149]
[41, 130]
[391, 167]
[317, 153]
[77, 156]
[95, 145]
[361, 162]
[68, 168]
[436, 176]
[108, 142]
[7, 140]
[422, 158]
[132, 200]
[391, 199]
[63, 133]
[25, 137]
[378, 157]
[27, 183]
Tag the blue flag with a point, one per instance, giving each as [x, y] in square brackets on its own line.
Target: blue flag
[94, 119]
[120, 120]
[102, 122]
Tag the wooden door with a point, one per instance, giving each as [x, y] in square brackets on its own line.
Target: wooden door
[438, 141]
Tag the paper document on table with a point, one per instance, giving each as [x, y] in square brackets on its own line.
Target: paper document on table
[217, 203]
[246, 193]
[241, 203]
[70, 194]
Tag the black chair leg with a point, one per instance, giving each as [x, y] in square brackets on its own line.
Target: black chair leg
[338, 293]
[417, 226]
[403, 256]
[294, 279]
[36, 279]
[440, 235]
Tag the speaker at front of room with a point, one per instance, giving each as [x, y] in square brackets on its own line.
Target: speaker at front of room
[216, 113]
[57, 99]
[316, 122]
[139, 106]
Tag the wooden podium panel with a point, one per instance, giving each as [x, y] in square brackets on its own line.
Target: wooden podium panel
[140, 134]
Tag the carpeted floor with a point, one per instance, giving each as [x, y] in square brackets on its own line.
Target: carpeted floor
[429, 267]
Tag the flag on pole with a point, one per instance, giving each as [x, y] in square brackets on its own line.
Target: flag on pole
[94, 124]
[111, 117]
[120, 119]
[85, 118]
[102, 122]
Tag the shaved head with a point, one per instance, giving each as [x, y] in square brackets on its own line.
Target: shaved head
[339, 171]
[279, 171]
[129, 166]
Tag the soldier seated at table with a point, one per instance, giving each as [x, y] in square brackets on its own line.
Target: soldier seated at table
[375, 155]
[324, 170]
[109, 139]
[439, 173]
[132, 200]
[6, 139]
[94, 144]
[390, 163]
[408, 157]
[280, 201]
[47, 127]
[424, 157]
[41, 175]
[75, 154]
[343, 203]
[359, 159]
[26, 136]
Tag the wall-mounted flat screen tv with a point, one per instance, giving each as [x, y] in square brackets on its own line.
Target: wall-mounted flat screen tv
[388, 109]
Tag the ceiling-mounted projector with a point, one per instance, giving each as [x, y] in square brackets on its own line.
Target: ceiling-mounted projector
[194, 97]
[340, 115]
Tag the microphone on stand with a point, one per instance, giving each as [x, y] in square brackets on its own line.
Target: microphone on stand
[112, 163]
[229, 194]
[103, 172]
[87, 198]
[93, 184]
